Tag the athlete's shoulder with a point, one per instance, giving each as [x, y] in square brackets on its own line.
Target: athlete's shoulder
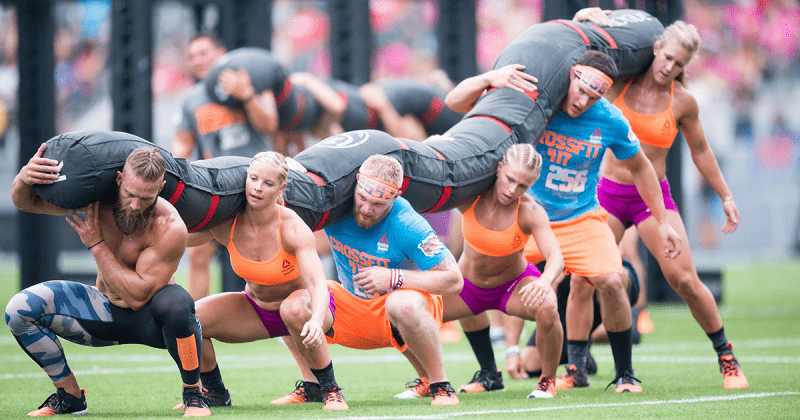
[612, 116]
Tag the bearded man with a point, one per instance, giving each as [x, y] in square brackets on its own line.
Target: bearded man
[137, 244]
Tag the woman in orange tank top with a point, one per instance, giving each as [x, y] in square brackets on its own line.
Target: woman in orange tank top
[657, 103]
[496, 228]
[286, 291]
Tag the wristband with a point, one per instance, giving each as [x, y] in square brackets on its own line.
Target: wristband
[512, 351]
[727, 198]
[98, 243]
[396, 279]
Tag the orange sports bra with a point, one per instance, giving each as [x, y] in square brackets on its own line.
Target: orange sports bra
[281, 268]
[657, 130]
[489, 242]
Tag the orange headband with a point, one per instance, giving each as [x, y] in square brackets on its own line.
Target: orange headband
[377, 188]
[594, 79]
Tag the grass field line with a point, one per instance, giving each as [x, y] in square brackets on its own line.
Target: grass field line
[165, 364]
[583, 406]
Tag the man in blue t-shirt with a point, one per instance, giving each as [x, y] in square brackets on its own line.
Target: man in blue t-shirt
[392, 269]
[573, 145]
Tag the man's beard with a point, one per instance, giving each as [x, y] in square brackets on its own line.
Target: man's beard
[365, 223]
[130, 223]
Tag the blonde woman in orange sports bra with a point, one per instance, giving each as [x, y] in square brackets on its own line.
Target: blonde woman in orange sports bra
[496, 227]
[657, 103]
[286, 292]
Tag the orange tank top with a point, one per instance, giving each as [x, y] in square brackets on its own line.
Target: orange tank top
[489, 242]
[281, 268]
[657, 130]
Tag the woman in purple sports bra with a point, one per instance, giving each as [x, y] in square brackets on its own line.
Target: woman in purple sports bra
[657, 103]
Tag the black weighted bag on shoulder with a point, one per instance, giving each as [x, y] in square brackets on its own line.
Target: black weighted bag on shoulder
[205, 193]
[549, 49]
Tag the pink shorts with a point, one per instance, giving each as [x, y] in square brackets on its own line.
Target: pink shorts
[624, 202]
[272, 319]
[479, 299]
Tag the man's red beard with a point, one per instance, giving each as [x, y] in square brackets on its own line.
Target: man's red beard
[130, 223]
[366, 223]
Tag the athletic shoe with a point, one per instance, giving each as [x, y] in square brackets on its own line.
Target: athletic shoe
[215, 399]
[195, 403]
[545, 389]
[334, 400]
[303, 393]
[591, 365]
[732, 375]
[61, 403]
[483, 381]
[573, 378]
[418, 388]
[443, 394]
[626, 383]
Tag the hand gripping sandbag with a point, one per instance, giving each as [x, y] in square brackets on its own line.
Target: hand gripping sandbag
[205, 193]
[266, 73]
[548, 50]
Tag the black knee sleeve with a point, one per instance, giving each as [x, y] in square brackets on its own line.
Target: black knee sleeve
[173, 310]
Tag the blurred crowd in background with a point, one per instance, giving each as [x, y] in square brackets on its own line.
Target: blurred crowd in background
[746, 77]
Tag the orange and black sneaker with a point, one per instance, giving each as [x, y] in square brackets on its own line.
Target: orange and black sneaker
[418, 388]
[573, 378]
[483, 381]
[333, 399]
[304, 392]
[195, 404]
[626, 383]
[216, 398]
[443, 394]
[61, 403]
[545, 389]
[732, 375]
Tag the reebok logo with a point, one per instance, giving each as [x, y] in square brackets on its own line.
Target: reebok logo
[596, 137]
[383, 244]
[516, 242]
[287, 268]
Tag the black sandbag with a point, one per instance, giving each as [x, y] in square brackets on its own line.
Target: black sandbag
[438, 174]
[549, 49]
[301, 111]
[266, 73]
[421, 100]
[356, 115]
[205, 193]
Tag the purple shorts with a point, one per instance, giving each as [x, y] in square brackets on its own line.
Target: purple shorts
[272, 319]
[479, 299]
[624, 202]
